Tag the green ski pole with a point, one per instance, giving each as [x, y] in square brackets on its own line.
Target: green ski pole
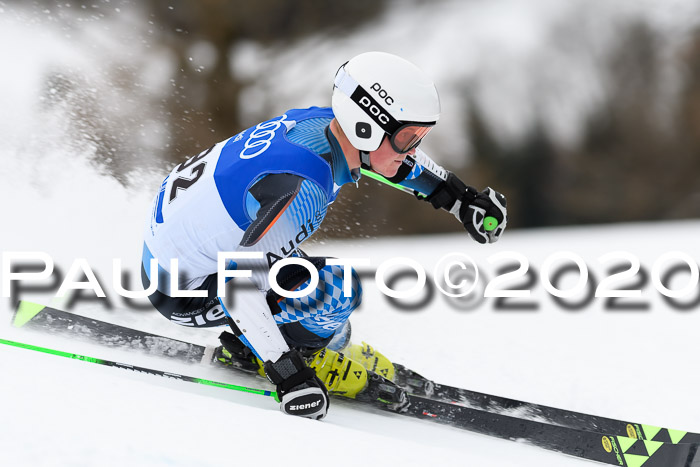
[139, 369]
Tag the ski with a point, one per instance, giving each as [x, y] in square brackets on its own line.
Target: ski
[607, 449]
[51, 320]
[604, 448]
[419, 385]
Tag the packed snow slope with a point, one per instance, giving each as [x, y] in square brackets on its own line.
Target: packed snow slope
[633, 364]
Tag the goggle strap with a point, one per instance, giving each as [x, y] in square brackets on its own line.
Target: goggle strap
[345, 82]
[364, 159]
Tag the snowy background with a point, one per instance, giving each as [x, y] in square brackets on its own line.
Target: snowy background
[638, 364]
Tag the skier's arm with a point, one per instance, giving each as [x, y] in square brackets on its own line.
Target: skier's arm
[445, 190]
[420, 173]
[286, 207]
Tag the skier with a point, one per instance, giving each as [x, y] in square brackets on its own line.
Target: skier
[263, 192]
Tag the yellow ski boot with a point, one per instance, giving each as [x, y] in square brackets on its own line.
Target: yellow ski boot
[374, 361]
[361, 377]
[342, 375]
[346, 377]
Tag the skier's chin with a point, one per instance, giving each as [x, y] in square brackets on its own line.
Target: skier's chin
[390, 170]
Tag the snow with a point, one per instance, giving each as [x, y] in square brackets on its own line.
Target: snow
[66, 412]
[638, 365]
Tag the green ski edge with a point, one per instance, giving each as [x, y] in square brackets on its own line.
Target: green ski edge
[99, 361]
[25, 312]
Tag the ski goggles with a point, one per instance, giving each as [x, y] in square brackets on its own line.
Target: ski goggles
[409, 136]
[403, 136]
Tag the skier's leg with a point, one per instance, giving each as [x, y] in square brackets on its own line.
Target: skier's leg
[329, 325]
[341, 338]
[233, 352]
[322, 319]
[189, 311]
[310, 322]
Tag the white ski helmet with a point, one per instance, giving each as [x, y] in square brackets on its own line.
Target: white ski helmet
[377, 94]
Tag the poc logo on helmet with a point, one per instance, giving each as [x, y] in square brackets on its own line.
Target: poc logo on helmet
[382, 93]
[374, 110]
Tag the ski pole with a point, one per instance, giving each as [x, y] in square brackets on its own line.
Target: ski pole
[379, 178]
[138, 369]
[490, 223]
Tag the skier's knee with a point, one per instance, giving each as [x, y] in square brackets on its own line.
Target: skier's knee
[349, 302]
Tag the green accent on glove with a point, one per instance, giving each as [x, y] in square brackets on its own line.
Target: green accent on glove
[490, 223]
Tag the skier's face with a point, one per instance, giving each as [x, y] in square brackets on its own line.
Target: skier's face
[385, 160]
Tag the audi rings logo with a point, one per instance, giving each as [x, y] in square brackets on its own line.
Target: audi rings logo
[261, 138]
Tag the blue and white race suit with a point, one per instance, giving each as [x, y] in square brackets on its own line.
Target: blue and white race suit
[264, 190]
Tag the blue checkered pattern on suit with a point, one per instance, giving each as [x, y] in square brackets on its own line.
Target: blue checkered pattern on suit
[325, 309]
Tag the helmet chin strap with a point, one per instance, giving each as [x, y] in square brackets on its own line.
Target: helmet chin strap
[364, 160]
